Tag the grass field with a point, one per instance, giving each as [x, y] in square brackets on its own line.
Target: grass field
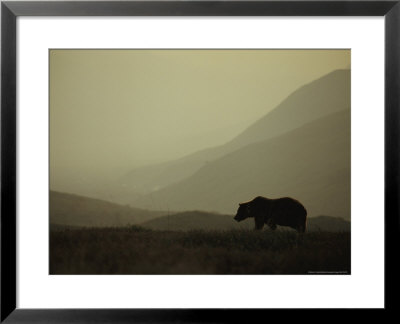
[135, 250]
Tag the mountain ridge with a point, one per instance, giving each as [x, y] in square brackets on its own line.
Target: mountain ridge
[77, 218]
[334, 95]
[75, 210]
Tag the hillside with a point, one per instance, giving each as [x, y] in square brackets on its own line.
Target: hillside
[196, 220]
[319, 98]
[73, 210]
[311, 164]
[328, 223]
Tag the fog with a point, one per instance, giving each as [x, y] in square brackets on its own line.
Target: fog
[114, 110]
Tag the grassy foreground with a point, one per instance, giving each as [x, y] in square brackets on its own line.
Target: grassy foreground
[135, 250]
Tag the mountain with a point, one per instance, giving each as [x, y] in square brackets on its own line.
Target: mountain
[328, 223]
[324, 96]
[197, 220]
[310, 163]
[73, 210]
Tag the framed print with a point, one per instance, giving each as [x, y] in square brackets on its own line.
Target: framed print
[163, 159]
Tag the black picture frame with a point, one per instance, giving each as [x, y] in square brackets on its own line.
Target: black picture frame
[10, 10]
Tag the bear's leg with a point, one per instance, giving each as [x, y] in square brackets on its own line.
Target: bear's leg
[301, 228]
[259, 223]
[271, 224]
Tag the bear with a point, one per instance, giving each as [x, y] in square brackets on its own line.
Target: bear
[284, 211]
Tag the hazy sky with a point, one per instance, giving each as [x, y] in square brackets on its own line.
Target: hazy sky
[124, 108]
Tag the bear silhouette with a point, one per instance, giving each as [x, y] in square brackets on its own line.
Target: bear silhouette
[282, 211]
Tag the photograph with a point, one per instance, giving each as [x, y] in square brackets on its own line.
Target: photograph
[199, 161]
